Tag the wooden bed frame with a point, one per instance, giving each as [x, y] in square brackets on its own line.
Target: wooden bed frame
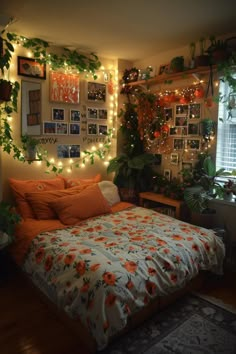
[86, 339]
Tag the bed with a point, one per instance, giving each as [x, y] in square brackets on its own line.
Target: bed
[102, 261]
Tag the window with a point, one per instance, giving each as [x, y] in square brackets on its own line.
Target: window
[226, 132]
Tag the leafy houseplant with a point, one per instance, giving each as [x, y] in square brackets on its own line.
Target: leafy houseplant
[203, 58]
[8, 220]
[29, 145]
[218, 50]
[177, 64]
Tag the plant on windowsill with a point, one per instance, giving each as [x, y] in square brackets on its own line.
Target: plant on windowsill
[229, 190]
[8, 220]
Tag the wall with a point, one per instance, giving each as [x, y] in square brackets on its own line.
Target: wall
[14, 168]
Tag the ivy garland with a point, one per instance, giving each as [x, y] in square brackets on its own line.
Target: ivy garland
[69, 58]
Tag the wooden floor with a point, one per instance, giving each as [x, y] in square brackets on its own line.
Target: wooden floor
[27, 326]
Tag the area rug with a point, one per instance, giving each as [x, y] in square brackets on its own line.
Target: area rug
[192, 325]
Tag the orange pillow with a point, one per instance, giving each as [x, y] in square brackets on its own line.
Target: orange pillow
[74, 208]
[39, 201]
[72, 182]
[20, 187]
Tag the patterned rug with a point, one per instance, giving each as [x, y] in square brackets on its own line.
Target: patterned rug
[192, 325]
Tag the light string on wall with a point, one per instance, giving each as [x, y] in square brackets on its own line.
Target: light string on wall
[69, 61]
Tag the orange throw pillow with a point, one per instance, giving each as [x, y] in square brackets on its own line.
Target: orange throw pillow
[20, 187]
[74, 208]
[72, 182]
[40, 201]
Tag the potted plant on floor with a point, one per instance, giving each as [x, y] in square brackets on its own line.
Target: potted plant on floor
[205, 188]
[8, 221]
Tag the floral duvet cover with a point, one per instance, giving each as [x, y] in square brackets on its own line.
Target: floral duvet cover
[109, 267]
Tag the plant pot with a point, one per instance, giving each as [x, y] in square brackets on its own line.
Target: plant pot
[202, 60]
[5, 91]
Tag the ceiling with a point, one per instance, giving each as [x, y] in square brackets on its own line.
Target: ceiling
[124, 29]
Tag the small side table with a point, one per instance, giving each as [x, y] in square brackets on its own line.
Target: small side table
[162, 199]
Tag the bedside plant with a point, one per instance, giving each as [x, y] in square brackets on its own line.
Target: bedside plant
[8, 221]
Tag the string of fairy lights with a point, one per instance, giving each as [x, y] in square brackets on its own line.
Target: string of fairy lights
[101, 146]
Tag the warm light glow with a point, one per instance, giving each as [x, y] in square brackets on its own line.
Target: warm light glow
[60, 163]
[29, 54]
[94, 148]
[106, 163]
[52, 160]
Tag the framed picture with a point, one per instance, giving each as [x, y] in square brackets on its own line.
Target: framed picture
[187, 166]
[179, 131]
[168, 113]
[178, 144]
[195, 111]
[167, 174]
[92, 113]
[58, 114]
[96, 92]
[31, 68]
[33, 119]
[74, 128]
[92, 129]
[193, 129]
[102, 113]
[174, 159]
[102, 129]
[181, 121]
[164, 69]
[61, 128]
[49, 128]
[193, 144]
[74, 115]
[63, 151]
[64, 87]
[74, 151]
[181, 109]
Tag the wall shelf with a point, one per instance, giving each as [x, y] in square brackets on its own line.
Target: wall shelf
[167, 78]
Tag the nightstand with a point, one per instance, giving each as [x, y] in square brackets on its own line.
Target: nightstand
[163, 200]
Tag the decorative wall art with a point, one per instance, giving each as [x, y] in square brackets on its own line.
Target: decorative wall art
[61, 128]
[96, 92]
[49, 128]
[74, 115]
[195, 111]
[164, 69]
[178, 144]
[58, 114]
[174, 158]
[92, 113]
[193, 144]
[181, 109]
[102, 129]
[31, 68]
[167, 174]
[64, 88]
[68, 151]
[74, 128]
[92, 129]
[102, 113]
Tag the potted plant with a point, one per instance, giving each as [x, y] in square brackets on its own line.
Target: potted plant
[133, 174]
[203, 58]
[8, 220]
[205, 188]
[229, 190]
[177, 64]
[29, 145]
[218, 50]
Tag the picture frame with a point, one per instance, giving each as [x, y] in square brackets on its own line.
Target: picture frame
[102, 113]
[96, 92]
[178, 144]
[33, 119]
[74, 128]
[74, 115]
[164, 69]
[49, 128]
[74, 151]
[58, 114]
[64, 88]
[193, 129]
[174, 158]
[187, 166]
[181, 109]
[92, 129]
[167, 174]
[61, 128]
[30, 68]
[193, 144]
[181, 121]
[63, 151]
[102, 129]
[92, 113]
[195, 111]
[168, 114]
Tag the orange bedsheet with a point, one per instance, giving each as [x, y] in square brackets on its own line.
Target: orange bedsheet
[28, 229]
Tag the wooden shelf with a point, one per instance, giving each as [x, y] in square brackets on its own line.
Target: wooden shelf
[175, 76]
